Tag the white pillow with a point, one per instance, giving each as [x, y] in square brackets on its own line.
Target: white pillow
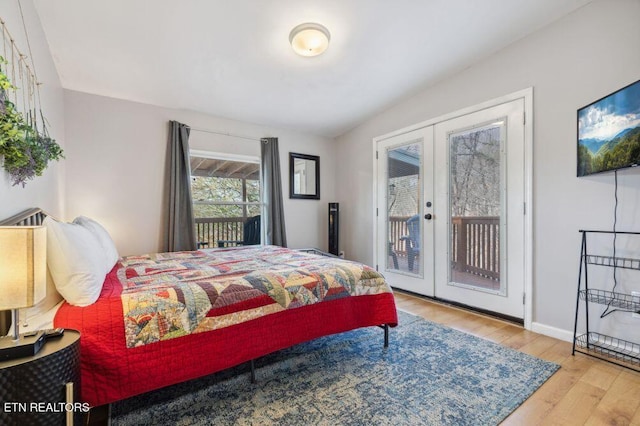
[76, 262]
[108, 247]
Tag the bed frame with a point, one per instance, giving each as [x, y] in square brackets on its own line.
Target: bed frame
[36, 216]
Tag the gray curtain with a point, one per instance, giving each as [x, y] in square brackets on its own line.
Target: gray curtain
[181, 234]
[273, 211]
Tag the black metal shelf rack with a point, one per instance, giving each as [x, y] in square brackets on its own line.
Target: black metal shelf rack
[620, 301]
[603, 346]
[608, 348]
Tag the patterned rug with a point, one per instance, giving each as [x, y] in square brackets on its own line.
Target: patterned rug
[429, 375]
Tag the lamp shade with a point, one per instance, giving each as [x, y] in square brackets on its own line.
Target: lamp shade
[23, 266]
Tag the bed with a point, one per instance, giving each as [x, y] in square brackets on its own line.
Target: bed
[166, 318]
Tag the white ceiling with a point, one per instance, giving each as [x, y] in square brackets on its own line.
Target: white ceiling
[232, 58]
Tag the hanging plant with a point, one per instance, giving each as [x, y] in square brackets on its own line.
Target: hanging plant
[26, 151]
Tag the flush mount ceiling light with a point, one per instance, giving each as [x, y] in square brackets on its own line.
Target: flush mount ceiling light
[309, 39]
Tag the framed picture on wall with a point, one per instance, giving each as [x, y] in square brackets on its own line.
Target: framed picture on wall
[609, 132]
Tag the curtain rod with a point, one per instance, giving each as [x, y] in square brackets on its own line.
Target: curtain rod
[225, 134]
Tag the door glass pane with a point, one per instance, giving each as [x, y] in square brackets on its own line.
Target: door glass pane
[404, 201]
[475, 200]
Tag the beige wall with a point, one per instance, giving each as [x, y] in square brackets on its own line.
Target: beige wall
[571, 63]
[45, 191]
[116, 153]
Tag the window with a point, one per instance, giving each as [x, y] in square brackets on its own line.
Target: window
[226, 193]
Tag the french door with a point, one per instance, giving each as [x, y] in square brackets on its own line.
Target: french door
[450, 201]
[405, 193]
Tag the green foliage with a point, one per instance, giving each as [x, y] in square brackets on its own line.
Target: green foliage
[219, 200]
[619, 152]
[209, 190]
[26, 152]
[585, 160]
[5, 83]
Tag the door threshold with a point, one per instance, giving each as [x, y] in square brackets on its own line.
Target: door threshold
[497, 315]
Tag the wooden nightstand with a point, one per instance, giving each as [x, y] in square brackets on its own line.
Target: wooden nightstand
[33, 390]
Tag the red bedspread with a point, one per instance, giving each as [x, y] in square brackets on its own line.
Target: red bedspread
[112, 371]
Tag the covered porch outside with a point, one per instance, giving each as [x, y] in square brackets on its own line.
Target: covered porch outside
[474, 237]
[225, 196]
[475, 248]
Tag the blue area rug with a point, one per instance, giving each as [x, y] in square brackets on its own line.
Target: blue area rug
[429, 375]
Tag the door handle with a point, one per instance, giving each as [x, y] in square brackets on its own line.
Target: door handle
[428, 216]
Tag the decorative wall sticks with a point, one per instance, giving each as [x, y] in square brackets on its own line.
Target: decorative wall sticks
[25, 142]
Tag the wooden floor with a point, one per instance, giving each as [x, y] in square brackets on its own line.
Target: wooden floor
[585, 391]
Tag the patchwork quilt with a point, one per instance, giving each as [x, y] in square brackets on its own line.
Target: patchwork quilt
[169, 295]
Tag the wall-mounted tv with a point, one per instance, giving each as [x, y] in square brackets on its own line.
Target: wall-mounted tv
[609, 132]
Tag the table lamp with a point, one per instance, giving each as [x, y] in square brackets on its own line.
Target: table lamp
[23, 283]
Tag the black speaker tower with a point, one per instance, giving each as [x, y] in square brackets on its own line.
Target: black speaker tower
[334, 228]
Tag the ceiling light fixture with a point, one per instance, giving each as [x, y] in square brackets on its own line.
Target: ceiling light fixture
[309, 39]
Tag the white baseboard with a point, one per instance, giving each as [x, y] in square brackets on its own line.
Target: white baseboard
[556, 333]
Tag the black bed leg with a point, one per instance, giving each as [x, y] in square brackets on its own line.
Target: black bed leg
[253, 371]
[386, 335]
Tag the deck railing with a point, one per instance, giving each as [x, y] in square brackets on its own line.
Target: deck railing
[397, 230]
[475, 243]
[210, 230]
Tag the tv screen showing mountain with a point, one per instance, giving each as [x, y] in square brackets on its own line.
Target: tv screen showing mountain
[609, 132]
